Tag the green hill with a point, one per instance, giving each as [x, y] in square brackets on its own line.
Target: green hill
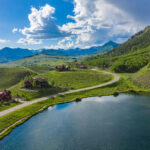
[128, 57]
[40, 60]
[138, 41]
[11, 76]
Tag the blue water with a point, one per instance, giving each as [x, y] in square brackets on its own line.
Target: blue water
[97, 123]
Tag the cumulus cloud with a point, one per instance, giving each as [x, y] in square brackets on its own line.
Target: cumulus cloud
[42, 26]
[94, 22]
[98, 21]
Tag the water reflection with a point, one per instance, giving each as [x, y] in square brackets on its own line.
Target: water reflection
[63, 106]
[96, 123]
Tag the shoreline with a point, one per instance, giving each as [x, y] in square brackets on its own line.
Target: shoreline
[8, 130]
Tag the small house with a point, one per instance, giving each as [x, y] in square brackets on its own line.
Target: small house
[63, 68]
[37, 83]
[81, 66]
[5, 96]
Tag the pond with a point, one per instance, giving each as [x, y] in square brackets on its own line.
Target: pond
[96, 123]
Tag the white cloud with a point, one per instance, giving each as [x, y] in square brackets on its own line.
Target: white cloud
[94, 22]
[98, 21]
[14, 30]
[4, 41]
[42, 26]
[28, 41]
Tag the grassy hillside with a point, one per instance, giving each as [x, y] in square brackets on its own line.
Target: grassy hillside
[63, 81]
[76, 79]
[42, 59]
[138, 41]
[128, 57]
[142, 77]
[11, 76]
[39, 68]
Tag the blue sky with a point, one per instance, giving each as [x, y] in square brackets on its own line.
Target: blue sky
[67, 24]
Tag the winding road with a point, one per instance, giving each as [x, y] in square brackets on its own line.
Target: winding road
[10, 110]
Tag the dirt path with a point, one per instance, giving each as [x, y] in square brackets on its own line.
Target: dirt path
[115, 79]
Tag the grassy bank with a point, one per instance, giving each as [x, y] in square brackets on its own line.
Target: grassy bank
[7, 106]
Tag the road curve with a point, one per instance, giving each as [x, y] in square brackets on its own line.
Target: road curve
[115, 79]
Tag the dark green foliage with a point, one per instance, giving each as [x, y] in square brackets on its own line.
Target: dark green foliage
[130, 65]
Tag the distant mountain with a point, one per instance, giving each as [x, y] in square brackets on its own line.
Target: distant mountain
[77, 52]
[14, 54]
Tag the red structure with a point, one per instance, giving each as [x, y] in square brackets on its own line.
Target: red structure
[5, 96]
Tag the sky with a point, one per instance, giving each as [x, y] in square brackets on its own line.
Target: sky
[36, 24]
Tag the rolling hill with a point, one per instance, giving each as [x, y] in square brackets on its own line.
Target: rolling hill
[42, 60]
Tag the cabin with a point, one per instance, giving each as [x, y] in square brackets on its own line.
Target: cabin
[37, 83]
[63, 68]
[5, 96]
[41, 83]
[28, 84]
[81, 66]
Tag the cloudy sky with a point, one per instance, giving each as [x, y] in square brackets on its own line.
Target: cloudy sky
[67, 24]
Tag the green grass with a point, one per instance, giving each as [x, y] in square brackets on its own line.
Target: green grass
[76, 79]
[142, 77]
[63, 81]
[7, 106]
[11, 76]
[40, 69]
[31, 95]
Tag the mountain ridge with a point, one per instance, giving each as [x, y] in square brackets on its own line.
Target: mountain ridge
[12, 54]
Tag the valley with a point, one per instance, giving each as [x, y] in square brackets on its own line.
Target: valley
[110, 73]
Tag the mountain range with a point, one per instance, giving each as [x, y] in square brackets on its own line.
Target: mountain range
[13, 54]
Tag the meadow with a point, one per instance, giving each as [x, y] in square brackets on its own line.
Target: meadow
[76, 79]
[62, 81]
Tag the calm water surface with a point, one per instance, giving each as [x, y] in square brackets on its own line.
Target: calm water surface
[106, 123]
